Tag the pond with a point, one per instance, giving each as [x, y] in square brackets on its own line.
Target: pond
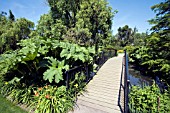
[136, 77]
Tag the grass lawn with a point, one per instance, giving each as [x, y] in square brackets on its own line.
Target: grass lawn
[8, 107]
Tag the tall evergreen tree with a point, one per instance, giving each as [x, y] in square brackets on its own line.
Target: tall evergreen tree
[11, 16]
[162, 20]
[159, 41]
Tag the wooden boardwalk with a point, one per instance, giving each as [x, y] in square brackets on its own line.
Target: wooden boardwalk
[103, 90]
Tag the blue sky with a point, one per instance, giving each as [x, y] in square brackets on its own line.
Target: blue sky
[133, 13]
[30, 9]
[130, 12]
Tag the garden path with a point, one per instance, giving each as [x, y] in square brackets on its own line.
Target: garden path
[102, 92]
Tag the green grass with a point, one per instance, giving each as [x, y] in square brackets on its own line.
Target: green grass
[8, 107]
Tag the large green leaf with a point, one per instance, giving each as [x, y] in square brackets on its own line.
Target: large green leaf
[53, 62]
[64, 53]
[58, 75]
[15, 80]
[91, 50]
[81, 56]
[43, 50]
[84, 50]
[55, 71]
[51, 73]
[72, 49]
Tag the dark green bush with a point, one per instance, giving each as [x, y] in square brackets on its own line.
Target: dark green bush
[148, 99]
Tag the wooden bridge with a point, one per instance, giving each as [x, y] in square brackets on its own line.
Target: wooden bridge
[102, 92]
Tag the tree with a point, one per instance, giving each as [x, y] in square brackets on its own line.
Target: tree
[49, 29]
[161, 22]
[155, 57]
[2, 14]
[65, 10]
[139, 39]
[24, 28]
[83, 22]
[11, 16]
[95, 17]
[11, 32]
[125, 35]
[159, 41]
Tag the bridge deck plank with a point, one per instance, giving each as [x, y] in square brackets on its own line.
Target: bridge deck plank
[102, 91]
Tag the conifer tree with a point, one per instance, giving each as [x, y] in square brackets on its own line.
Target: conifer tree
[159, 41]
[11, 16]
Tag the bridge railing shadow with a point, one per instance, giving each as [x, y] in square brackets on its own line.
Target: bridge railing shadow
[124, 86]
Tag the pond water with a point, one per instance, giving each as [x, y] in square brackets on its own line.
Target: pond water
[136, 78]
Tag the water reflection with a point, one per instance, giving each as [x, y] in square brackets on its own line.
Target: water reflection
[136, 78]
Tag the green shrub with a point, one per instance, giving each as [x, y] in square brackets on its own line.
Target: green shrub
[149, 99]
[129, 49]
[17, 92]
[77, 85]
[45, 99]
[52, 99]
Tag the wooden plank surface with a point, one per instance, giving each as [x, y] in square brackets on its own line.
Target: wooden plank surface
[103, 90]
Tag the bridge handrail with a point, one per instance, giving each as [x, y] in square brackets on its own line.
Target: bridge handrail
[124, 85]
[99, 60]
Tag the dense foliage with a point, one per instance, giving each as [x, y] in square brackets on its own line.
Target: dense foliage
[125, 35]
[128, 37]
[153, 58]
[33, 62]
[149, 99]
[84, 22]
[154, 55]
[12, 31]
[37, 63]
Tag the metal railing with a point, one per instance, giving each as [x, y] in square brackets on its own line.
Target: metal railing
[99, 60]
[124, 86]
[70, 74]
[104, 56]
